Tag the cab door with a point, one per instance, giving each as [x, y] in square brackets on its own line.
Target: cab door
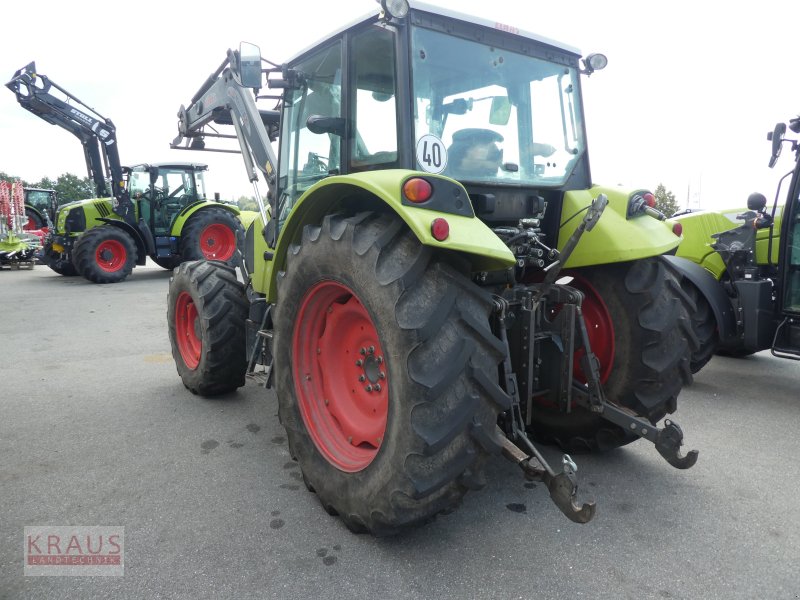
[787, 339]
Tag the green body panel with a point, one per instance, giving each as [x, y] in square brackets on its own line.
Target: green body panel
[468, 235]
[699, 226]
[615, 238]
[94, 209]
[246, 217]
[177, 225]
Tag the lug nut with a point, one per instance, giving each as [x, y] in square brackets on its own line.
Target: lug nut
[380, 359]
[359, 362]
[362, 378]
[327, 402]
[368, 388]
[372, 349]
[363, 351]
[377, 387]
[382, 375]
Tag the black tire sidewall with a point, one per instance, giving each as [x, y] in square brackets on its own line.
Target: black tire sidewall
[86, 246]
[197, 223]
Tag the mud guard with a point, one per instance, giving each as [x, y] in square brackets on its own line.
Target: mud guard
[713, 292]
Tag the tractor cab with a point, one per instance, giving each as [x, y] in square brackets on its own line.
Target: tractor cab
[40, 208]
[787, 337]
[501, 114]
[162, 191]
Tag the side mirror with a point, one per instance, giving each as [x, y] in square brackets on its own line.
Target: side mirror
[776, 136]
[756, 202]
[319, 124]
[250, 65]
[500, 112]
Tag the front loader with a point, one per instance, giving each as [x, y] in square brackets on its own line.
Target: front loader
[158, 210]
[433, 278]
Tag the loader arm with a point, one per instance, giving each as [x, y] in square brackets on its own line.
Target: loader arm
[34, 92]
[225, 99]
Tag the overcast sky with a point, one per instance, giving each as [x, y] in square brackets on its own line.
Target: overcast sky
[689, 94]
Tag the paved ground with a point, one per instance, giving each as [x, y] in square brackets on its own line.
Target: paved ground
[96, 429]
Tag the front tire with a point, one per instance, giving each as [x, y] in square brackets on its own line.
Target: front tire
[206, 316]
[637, 318]
[386, 373]
[105, 254]
[211, 234]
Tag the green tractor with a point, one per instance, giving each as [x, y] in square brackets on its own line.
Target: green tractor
[155, 210]
[40, 207]
[430, 280]
[745, 279]
[172, 221]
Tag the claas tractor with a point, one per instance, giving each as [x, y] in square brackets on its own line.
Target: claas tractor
[742, 267]
[433, 277]
[158, 210]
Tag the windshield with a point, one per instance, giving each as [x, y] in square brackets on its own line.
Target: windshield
[490, 115]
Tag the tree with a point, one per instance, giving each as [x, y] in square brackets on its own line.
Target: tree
[665, 201]
[71, 187]
[247, 203]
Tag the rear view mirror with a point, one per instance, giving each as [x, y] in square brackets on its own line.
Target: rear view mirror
[776, 136]
[501, 111]
[250, 65]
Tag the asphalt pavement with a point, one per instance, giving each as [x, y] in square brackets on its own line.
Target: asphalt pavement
[96, 429]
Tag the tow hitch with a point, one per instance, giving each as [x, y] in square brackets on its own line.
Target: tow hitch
[568, 331]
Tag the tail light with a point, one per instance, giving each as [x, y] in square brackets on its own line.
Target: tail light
[440, 229]
[417, 190]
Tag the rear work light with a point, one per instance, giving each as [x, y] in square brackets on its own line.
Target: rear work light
[677, 229]
[417, 190]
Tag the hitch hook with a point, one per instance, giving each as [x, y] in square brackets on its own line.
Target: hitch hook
[564, 490]
[668, 443]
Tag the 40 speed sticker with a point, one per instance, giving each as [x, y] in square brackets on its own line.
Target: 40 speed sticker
[431, 154]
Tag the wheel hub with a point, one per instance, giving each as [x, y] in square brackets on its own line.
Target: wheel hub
[340, 376]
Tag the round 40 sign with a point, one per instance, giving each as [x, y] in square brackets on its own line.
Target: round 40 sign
[431, 154]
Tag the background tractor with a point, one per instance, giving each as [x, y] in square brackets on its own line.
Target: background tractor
[156, 210]
[430, 280]
[746, 279]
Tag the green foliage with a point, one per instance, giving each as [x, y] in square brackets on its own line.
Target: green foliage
[69, 187]
[247, 203]
[665, 201]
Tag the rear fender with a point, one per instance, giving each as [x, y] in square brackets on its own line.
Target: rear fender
[192, 209]
[615, 238]
[712, 291]
[380, 191]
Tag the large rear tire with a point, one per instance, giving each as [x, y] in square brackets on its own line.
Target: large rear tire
[206, 316]
[386, 373]
[704, 325]
[211, 234]
[105, 254]
[637, 318]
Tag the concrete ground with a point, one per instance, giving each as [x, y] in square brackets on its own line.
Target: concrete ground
[97, 429]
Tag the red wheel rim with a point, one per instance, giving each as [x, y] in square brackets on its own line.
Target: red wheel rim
[186, 324]
[217, 242]
[340, 376]
[110, 255]
[600, 328]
